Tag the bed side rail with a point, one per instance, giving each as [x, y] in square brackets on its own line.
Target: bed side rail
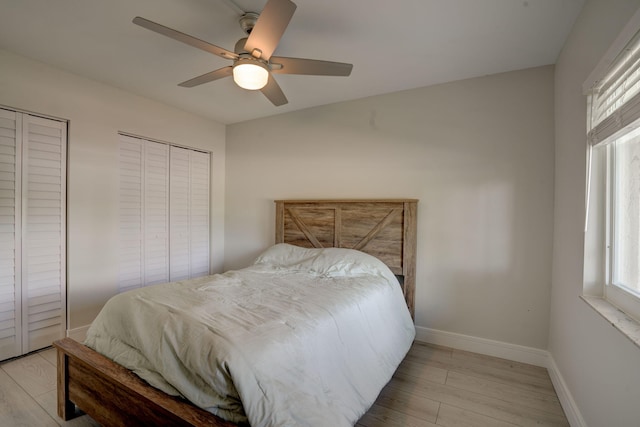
[114, 396]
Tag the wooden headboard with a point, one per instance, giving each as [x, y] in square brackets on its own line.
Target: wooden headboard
[384, 228]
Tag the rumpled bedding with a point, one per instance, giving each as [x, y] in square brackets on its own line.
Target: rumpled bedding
[303, 337]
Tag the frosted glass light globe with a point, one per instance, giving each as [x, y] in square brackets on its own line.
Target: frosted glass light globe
[250, 74]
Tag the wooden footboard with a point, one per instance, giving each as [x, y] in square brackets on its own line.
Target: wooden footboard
[114, 396]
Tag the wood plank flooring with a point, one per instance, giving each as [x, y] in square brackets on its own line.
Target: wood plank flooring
[438, 386]
[434, 386]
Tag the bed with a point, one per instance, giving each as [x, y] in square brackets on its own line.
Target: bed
[113, 395]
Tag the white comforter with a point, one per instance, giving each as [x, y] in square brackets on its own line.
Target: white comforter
[304, 337]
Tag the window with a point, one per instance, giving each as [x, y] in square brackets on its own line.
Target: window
[626, 213]
[164, 213]
[614, 174]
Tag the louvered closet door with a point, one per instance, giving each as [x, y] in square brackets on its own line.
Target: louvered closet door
[131, 273]
[32, 232]
[189, 214]
[43, 241]
[156, 213]
[199, 220]
[164, 213]
[10, 227]
[144, 213]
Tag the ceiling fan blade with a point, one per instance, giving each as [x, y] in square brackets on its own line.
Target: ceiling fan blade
[273, 92]
[184, 38]
[269, 28]
[310, 67]
[208, 77]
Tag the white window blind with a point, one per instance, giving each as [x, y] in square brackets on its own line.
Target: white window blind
[164, 213]
[614, 100]
[32, 232]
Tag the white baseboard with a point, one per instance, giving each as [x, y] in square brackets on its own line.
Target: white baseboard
[517, 353]
[566, 399]
[78, 334]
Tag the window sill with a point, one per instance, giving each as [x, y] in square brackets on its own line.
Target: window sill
[625, 324]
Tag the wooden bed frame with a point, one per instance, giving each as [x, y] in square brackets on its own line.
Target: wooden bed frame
[114, 396]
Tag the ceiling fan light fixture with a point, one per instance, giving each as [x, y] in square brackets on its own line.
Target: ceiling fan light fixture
[250, 74]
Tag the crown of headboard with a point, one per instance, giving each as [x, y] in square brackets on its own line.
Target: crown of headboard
[384, 228]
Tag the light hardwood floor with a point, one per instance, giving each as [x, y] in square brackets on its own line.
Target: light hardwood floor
[434, 386]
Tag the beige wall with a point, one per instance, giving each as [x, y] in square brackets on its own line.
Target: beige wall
[601, 367]
[96, 113]
[477, 153]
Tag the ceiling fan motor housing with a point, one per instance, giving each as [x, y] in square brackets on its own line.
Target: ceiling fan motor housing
[248, 21]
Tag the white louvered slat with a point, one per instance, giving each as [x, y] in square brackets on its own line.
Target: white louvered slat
[10, 242]
[43, 248]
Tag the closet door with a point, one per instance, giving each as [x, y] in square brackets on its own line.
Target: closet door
[43, 235]
[131, 272]
[10, 227]
[156, 213]
[199, 214]
[164, 213]
[32, 232]
[179, 213]
[189, 214]
[144, 213]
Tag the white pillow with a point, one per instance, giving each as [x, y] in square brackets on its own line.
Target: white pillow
[330, 262]
[286, 255]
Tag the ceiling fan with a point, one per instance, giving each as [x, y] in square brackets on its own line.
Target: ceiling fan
[253, 63]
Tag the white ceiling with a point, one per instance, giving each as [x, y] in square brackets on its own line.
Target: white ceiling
[393, 45]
